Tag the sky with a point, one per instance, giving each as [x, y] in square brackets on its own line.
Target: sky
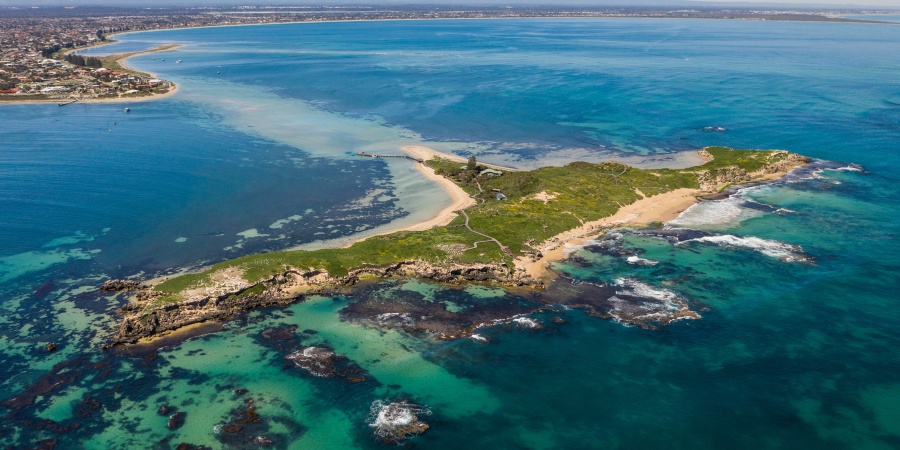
[158, 3]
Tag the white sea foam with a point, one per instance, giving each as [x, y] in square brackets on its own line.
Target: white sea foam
[479, 338]
[629, 286]
[659, 305]
[850, 168]
[716, 213]
[775, 249]
[526, 322]
[401, 319]
[638, 261]
[386, 417]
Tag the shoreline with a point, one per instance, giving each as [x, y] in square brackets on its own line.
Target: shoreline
[657, 208]
[152, 314]
[121, 62]
[460, 199]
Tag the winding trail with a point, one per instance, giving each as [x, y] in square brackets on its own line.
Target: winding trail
[490, 238]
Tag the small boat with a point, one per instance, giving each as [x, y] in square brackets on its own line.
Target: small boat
[177, 61]
[127, 109]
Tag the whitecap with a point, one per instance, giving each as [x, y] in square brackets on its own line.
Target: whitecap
[718, 213]
[526, 322]
[388, 417]
[781, 250]
[638, 261]
[637, 288]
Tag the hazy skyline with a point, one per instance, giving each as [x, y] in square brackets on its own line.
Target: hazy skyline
[770, 3]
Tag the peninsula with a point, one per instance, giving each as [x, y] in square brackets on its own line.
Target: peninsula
[505, 227]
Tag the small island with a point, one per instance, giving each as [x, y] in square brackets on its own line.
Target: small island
[504, 228]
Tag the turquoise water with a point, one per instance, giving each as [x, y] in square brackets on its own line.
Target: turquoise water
[881, 18]
[795, 282]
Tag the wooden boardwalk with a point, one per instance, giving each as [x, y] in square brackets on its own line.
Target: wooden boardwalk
[370, 155]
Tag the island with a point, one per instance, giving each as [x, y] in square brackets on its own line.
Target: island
[503, 229]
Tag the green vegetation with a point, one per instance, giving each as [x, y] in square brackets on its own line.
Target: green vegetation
[746, 159]
[90, 61]
[538, 204]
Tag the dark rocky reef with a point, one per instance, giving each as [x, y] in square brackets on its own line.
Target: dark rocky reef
[321, 361]
[143, 321]
[245, 428]
[120, 285]
[629, 302]
[409, 311]
[396, 421]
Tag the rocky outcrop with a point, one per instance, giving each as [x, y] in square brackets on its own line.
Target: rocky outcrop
[120, 285]
[394, 422]
[218, 303]
[141, 321]
[777, 162]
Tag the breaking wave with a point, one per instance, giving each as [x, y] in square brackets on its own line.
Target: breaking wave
[638, 261]
[655, 305]
[395, 421]
[783, 251]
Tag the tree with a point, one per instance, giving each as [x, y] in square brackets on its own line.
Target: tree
[472, 164]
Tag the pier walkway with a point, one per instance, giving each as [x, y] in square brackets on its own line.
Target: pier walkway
[370, 155]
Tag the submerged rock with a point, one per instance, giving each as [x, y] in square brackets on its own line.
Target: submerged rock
[627, 301]
[318, 361]
[245, 428]
[396, 421]
[186, 446]
[176, 420]
[321, 361]
[381, 306]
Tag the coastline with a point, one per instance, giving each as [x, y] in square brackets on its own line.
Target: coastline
[227, 289]
[657, 208]
[121, 62]
[460, 200]
[158, 49]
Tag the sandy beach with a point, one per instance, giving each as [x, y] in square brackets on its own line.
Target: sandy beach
[658, 208]
[461, 200]
[426, 153]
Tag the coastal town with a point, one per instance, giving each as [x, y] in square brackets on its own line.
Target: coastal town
[39, 46]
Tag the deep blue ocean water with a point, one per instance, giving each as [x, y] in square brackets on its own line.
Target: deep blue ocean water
[255, 152]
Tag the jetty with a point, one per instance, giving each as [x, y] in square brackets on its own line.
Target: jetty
[370, 155]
